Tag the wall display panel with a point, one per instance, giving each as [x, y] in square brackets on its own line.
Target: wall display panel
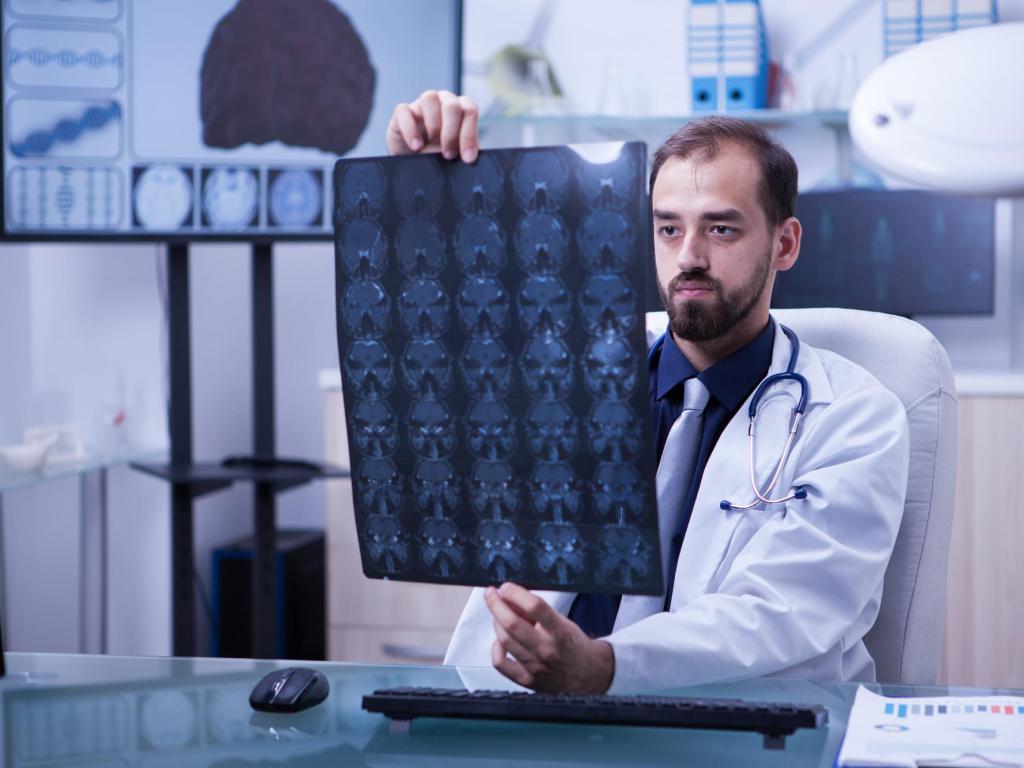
[203, 118]
[491, 336]
[902, 252]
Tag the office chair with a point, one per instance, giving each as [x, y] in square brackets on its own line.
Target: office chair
[906, 640]
[907, 637]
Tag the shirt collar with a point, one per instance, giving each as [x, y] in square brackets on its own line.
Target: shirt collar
[729, 380]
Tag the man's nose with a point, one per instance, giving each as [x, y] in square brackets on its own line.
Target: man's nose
[691, 254]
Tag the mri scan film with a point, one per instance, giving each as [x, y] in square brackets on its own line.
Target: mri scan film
[491, 335]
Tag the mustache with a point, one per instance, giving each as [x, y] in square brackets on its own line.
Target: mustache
[693, 279]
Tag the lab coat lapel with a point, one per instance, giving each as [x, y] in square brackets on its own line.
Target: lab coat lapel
[727, 473]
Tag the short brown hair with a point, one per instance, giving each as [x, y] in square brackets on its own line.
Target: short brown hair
[706, 135]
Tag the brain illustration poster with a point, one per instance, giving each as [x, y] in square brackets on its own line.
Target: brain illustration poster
[490, 329]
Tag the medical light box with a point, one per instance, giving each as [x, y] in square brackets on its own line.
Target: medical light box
[902, 252]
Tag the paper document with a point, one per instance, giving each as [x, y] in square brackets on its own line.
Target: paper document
[942, 731]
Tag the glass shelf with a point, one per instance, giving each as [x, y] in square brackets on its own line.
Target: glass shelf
[11, 479]
[530, 129]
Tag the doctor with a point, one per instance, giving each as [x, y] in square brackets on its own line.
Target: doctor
[786, 588]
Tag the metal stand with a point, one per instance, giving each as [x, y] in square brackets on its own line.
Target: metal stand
[190, 480]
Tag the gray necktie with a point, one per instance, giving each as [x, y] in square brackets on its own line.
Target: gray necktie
[675, 472]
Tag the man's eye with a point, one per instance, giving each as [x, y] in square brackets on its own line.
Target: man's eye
[723, 230]
[669, 231]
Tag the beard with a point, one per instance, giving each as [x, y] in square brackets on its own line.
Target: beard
[700, 320]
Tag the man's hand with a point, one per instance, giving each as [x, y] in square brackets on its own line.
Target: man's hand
[550, 653]
[436, 121]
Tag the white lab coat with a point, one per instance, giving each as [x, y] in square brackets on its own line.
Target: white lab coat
[787, 590]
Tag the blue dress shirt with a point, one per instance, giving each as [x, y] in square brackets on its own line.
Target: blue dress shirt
[730, 381]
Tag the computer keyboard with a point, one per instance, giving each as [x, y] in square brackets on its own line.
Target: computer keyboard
[774, 720]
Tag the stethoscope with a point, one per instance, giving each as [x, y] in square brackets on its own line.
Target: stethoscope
[790, 374]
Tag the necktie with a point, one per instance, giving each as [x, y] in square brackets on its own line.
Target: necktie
[675, 473]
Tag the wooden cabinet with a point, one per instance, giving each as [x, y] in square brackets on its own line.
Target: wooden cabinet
[985, 613]
[370, 619]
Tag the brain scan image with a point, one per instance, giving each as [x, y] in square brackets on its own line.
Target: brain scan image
[419, 188]
[431, 428]
[435, 487]
[490, 430]
[365, 310]
[442, 547]
[387, 543]
[555, 491]
[544, 306]
[494, 490]
[547, 367]
[608, 185]
[491, 322]
[295, 198]
[560, 551]
[480, 245]
[551, 431]
[609, 368]
[607, 241]
[618, 494]
[380, 486]
[541, 181]
[624, 556]
[363, 190]
[163, 197]
[500, 550]
[427, 369]
[375, 428]
[244, 98]
[423, 308]
[421, 247]
[231, 198]
[486, 368]
[542, 244]
[364, 249]
[608, 305]
[484, 307]
[478, 187]
[614, 432]
[369, 369]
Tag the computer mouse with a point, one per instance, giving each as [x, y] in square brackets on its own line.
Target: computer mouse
[292, 689]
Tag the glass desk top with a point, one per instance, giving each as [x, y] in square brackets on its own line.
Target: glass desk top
[74, 710]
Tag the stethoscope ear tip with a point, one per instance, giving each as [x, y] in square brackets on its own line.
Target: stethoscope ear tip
[725, 504]
[800, 493]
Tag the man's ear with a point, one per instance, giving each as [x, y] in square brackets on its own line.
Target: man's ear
[787, 244]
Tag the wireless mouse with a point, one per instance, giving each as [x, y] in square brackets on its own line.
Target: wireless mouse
[292, 689]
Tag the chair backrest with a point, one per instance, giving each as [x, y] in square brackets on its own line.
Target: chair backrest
[907, 637]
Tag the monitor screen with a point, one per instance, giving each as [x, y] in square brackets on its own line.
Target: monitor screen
[901, 252]
[202, 119]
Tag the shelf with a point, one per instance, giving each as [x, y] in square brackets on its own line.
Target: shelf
[11, 479]
[628, 127]
[207, 477]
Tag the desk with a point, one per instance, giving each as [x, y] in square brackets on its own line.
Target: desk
[73, 710]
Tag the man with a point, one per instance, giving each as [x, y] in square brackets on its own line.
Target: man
[784, 588]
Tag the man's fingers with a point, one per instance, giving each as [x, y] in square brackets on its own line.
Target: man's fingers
[451, 120]
[469, 141]
[529, 606]
[522, 654]
[522, 630]
[510, 668]
[430, 105]
[404, 132]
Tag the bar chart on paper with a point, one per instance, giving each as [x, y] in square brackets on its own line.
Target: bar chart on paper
[970, 730]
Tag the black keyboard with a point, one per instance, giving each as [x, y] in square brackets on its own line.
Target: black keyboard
[775, 721]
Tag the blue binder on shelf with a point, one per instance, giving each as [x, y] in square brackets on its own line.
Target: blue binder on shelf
[728, 53]
[909, 22]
